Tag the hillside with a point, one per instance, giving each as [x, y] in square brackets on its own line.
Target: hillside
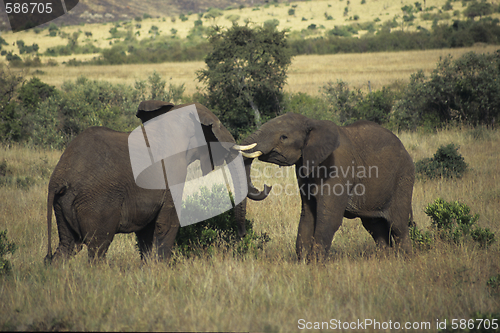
[306, 19]
[99, 11]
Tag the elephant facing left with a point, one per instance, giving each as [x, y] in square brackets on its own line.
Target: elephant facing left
[94, 195]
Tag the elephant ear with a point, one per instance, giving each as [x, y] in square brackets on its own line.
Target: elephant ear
[214, 131]
[149, 109]
[210, 120]
[322, 139]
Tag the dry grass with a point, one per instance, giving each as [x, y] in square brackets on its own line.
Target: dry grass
[306, 13]
[270, 292]
[308, 73]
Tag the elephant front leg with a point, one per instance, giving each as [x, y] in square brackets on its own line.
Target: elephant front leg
[329, 217]
[305, 233]
[167, 226]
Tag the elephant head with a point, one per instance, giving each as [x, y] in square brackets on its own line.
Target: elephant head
[291, 139]
[215, 155]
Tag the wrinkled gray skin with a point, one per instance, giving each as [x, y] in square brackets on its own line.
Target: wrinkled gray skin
[94, 195]
[318, 148]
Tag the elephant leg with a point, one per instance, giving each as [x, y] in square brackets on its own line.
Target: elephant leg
[99, 229]
[98, 246]
[329, 219]
[379, 229]
[399, 215]
[305, 233]
[67, 237]
[400, 233]
[166, 228]
[145, 238]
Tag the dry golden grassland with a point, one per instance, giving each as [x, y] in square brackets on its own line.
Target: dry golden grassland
[307, 73]
[270, 292]
[306, 13]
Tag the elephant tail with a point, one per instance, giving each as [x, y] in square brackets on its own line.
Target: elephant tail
[50, 203]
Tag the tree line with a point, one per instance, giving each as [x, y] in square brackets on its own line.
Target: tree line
[243, 86]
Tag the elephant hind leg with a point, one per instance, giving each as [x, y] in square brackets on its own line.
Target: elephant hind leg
[145, 240]
[99, 231]
[379, 229]
[98, 246]
[68, 238]
[401, 236]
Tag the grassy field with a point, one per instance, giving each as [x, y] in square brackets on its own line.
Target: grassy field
[270, 292]
[305, 14]
[306, 73]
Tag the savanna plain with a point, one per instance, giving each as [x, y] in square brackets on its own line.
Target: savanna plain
[268, 290]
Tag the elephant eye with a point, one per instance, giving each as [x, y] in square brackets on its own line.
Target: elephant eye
[283, 137]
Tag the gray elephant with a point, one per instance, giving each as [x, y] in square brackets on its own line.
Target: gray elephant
[95, 196]
[361, 170]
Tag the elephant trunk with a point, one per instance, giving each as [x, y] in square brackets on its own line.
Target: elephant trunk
[253, 192]
[250, 143]
[239, 195]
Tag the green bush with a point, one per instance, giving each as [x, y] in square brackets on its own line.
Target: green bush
[352, 105]
[420, 239]
[219, 231]
[5, 248]
[42, 115]
[446, 163]
[34, 92]
[464, 90]
[454, 223]
[11, 128]
[309, 106]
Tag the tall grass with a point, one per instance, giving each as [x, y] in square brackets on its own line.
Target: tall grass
[270, 292]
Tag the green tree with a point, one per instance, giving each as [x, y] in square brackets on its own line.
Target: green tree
[245, 75]
[213, 13]
[478, 9]
[10, 122]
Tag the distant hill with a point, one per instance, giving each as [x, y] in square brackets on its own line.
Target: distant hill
[98, 11]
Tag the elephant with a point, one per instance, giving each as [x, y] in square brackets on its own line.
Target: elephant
[94, 195]
[360, 170]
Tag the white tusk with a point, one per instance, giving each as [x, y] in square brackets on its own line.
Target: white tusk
[238, 147]
[252, 155]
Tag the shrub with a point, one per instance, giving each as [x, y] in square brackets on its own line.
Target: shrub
[5, 248]
[454, 223]
[219, 231]
[354, 105]
[446, 163]
[310, 106]
[34, 92]
[464, 90]
[10, 118]
[420, 239]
